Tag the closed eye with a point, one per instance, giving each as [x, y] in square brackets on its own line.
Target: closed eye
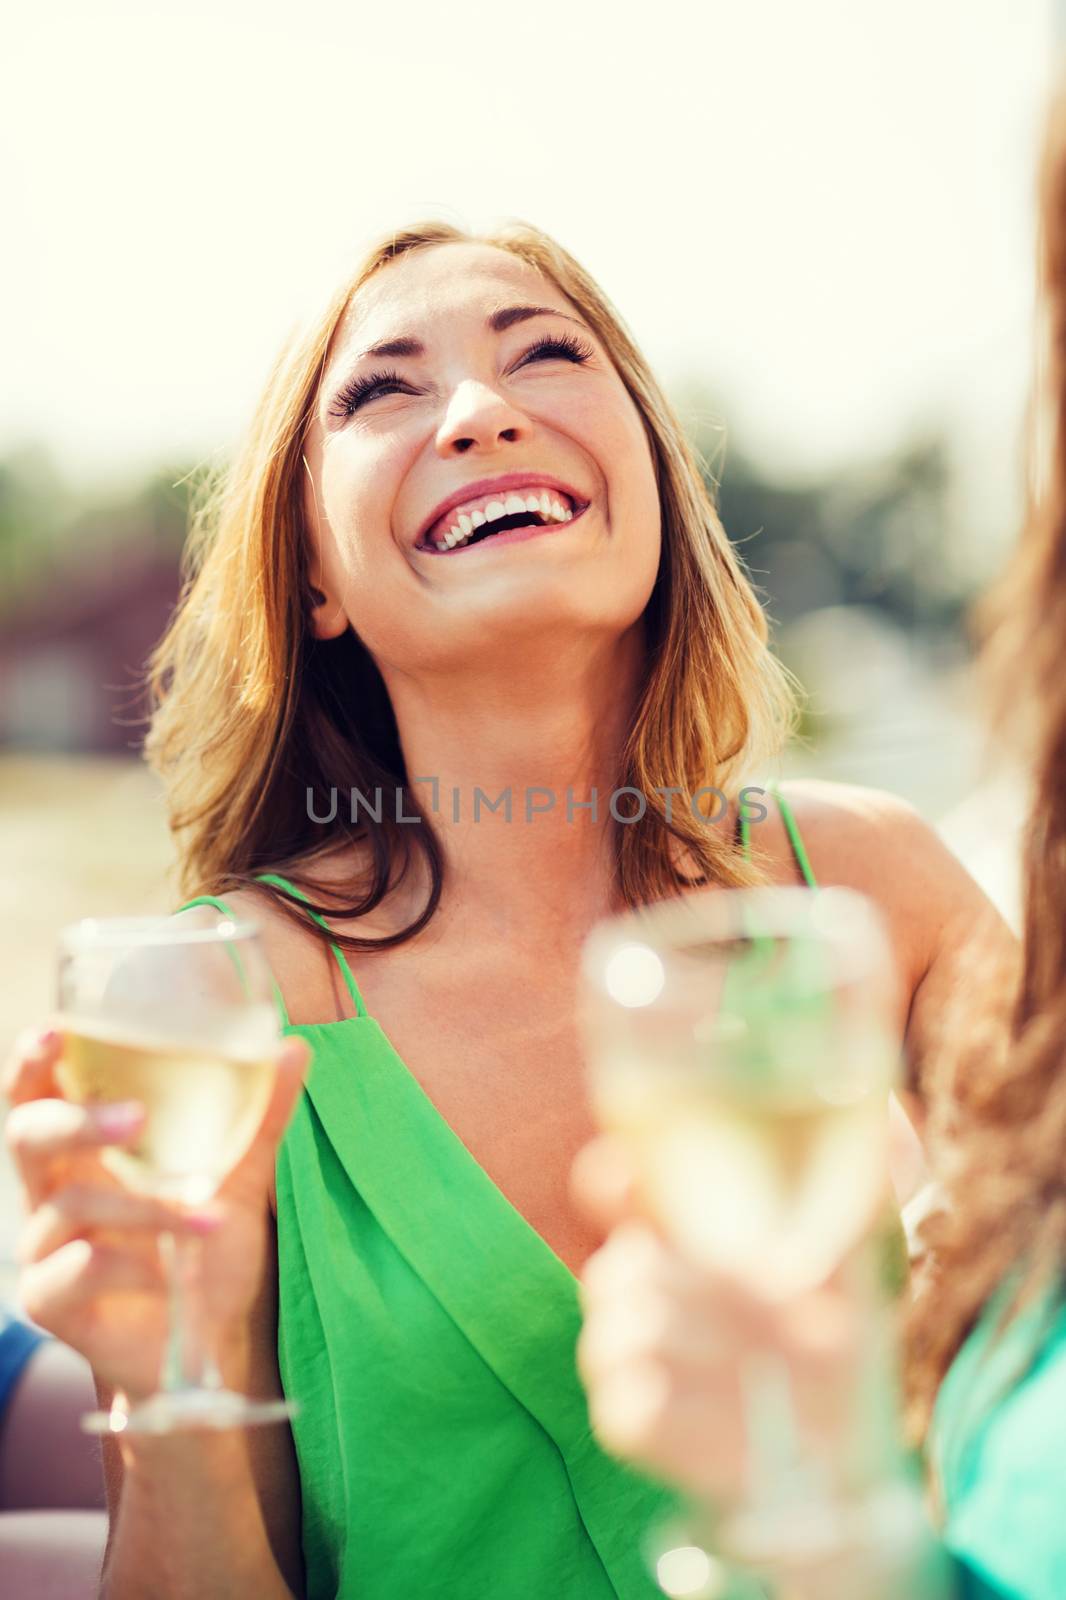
[357, 391]
[566, 345]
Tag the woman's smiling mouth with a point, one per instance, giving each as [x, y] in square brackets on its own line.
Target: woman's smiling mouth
[504, 519]
[500, 508]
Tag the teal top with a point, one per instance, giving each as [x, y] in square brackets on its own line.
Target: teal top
[998, 1448]
[428, 1333]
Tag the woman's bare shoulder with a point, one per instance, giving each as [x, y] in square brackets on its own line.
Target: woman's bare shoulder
[838, 823]
[828, 800]
[282, 938]
[334, 879]
[299, 957]
[873, 841]
[881, 845]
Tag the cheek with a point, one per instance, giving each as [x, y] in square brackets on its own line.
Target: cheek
[358, 488]
[634, 492]
[362, 558]
[611, 429]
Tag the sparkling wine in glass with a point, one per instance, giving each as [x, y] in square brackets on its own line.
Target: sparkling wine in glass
[179, 1016]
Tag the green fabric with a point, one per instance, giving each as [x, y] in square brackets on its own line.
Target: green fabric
[969, 1585]
[997, 1442]
[428, 1333]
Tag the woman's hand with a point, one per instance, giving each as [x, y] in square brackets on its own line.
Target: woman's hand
[665, 1345]
[90, 1266]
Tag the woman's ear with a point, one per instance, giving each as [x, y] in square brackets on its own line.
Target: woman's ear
[326, 614]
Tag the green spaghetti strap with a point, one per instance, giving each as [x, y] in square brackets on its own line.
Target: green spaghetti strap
[745, 829]
[779, 984]
[794, 836]
[763, 947]
[220, 905]
[346, 971]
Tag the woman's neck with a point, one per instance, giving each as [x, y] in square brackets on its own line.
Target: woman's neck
[505, 765]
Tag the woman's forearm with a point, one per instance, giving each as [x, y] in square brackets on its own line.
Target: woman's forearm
[189, 1524]
[191, 1521]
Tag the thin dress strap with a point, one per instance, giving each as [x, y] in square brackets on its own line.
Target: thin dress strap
[798, 849]
[346, 971]
[213, 900]
[794, 839]
[743, 830]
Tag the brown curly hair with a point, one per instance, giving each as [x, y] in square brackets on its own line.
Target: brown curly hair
[1003, 1114]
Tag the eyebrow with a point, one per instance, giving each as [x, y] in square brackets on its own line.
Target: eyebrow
[498, 322]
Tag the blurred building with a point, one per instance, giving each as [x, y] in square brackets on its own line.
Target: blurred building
[72, 654]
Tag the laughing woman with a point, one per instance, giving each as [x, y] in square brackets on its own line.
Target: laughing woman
[465, 552]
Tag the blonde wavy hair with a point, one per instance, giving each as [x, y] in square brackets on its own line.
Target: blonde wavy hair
[248, 711]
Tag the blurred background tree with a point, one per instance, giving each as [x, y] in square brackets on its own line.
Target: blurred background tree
[88, 581]
[853, 567]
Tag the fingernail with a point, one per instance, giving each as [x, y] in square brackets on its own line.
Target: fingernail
[119, 1117]
[49, 1036]
[204, 1221]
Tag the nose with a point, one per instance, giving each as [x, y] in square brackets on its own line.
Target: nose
[479, 415]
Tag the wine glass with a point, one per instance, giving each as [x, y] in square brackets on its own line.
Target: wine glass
[180, 1017]
[743, 1044]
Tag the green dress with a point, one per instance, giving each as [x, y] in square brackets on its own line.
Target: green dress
[999, 1446]
[428, 1333]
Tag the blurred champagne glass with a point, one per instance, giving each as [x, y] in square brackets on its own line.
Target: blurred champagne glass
[181, 1018]
[743, 1044]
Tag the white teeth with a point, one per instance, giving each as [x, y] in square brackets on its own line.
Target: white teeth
[548, 505]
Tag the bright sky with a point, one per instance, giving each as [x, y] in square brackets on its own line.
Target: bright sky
[821, 211]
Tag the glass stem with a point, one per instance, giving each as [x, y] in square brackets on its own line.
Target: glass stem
[775, 1472]
[188, 1362]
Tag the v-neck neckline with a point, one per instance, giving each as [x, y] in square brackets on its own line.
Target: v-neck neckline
[499, 1281]
[460, 1151]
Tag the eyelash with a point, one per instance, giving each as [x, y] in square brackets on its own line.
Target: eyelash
[358, 390]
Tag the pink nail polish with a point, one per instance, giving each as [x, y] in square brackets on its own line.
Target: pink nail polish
[48, 1037]
[120, 1117]
[204, 1223]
